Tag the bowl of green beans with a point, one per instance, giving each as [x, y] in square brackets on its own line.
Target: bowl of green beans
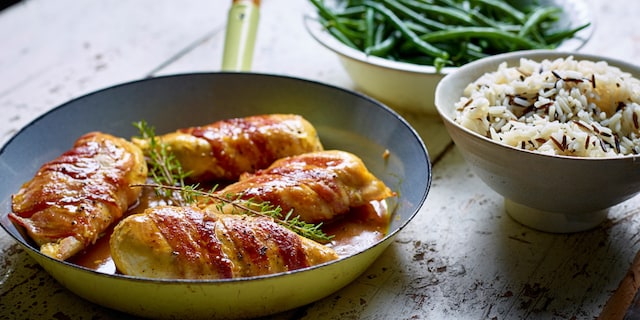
[397, 51]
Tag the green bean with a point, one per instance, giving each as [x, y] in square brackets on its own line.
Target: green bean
[383, 47]
[353, 27]
[453, 14]
[473, 54]
[336, 33]
[421, 45]
[398, 7]
[416, 27]
[503, 8]
[323, 11]
[539, 14]
[474, 14]
[380, 33]
[369, 38]
[352, 12]
[565, 34]
[484, 20]
[481, 32]
[333, 24]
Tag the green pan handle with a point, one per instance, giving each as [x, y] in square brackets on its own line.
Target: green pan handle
[242, 26]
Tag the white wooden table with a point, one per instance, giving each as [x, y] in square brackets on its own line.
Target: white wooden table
[462, 257]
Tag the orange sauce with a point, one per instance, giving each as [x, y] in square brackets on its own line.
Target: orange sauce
[359, 229]
[354, 232]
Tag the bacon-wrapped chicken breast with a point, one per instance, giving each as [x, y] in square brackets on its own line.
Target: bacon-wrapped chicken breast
[172, 242]
[225, 149]
[317, 186]
[73, 199]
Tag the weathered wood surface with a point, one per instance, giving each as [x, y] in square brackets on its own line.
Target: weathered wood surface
[462, 257]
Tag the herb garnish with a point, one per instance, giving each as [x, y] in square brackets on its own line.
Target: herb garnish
[164, 167]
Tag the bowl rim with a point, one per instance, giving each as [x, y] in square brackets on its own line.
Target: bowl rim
[533, 55]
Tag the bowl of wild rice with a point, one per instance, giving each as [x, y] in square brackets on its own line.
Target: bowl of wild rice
[556, 133]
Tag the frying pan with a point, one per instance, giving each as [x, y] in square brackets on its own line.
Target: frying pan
[344, 119]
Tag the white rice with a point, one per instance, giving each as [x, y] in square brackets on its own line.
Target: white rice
[560, 107]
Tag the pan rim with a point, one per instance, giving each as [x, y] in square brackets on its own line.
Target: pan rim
[391, 234]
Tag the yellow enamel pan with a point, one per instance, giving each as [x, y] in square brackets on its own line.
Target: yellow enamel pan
[344, 119]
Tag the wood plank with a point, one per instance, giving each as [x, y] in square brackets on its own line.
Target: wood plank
[55, 51]
[624, 302]
[462, 256]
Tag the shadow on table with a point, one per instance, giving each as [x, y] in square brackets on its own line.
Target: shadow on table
[4, 4]
[557, 275]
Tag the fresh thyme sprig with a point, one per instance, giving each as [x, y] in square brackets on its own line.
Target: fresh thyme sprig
[169, 177]
[164, 167]
[249, 207]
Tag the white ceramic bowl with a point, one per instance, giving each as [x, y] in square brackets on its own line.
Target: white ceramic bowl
[410, 87]
[549, 193]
